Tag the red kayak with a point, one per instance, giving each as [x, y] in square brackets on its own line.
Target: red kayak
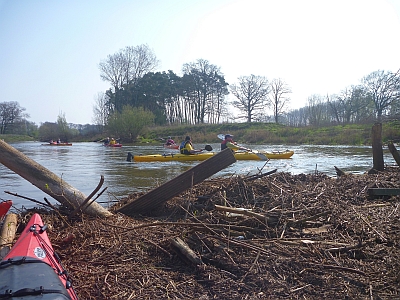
[113, 145]
[32, 270]
[57, 144]
[4, 207]
[171, 146]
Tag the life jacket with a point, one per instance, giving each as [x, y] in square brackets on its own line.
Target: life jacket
[223, 145]
[182, 148]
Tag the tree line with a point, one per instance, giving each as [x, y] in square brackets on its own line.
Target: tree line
[200, 95]
[375, 98]
[138, 96]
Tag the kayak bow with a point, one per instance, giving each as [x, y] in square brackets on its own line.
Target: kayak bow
[32, 270]
[4, 207]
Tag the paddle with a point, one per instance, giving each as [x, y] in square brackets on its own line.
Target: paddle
[206, 147]
[260, 155]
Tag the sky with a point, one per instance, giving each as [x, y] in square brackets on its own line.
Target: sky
[50, 49]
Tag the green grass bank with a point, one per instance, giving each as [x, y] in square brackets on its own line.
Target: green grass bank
[256, 133]
[271, 133]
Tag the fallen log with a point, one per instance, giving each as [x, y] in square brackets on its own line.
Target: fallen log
[153, 199]
[7, 234]
[242, 211]
[183, 249]
[46, 181]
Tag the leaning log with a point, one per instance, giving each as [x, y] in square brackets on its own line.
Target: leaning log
[46, 181]
[153, 199]
[7, 234]
[339, 172]
[394, 152]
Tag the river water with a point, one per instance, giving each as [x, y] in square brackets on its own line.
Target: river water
[82, 164]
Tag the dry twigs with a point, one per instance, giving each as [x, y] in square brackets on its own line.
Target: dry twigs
[324, 239]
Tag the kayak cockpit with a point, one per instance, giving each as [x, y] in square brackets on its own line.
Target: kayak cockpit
[30, 278]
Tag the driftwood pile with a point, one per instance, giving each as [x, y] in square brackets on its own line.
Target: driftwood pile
[280, 236]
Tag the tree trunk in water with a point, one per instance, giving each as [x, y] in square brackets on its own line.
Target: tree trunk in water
[377, 151]
[46, 181]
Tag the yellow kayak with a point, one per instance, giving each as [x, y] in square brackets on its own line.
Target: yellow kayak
[261, 155]
[170, 157]
[203, 156]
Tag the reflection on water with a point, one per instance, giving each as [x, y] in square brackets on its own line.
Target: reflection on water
[82, 164]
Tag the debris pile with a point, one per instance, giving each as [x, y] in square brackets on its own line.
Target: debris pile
[281, 236]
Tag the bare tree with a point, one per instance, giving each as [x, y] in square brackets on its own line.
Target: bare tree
[10, 114]
[204, 89]
[384, 88]
[316, 110]
[141, 60]
[278, 99]
[101, 110]
[349, 105]
[251, 92]
[127, 65]
[297, 117]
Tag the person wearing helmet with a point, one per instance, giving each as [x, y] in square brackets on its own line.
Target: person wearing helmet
[186, 147]
[229, 143]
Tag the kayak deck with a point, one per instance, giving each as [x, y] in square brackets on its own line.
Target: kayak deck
[172, 157]
[270, 155]
[203, 156]
[32, 263]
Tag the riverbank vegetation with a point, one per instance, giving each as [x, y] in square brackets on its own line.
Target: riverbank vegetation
[253, 133]
[272, 133]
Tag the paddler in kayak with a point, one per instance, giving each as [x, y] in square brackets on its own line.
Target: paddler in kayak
[170, 141]
[229, 143]
[186, 147]
[113, 141]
